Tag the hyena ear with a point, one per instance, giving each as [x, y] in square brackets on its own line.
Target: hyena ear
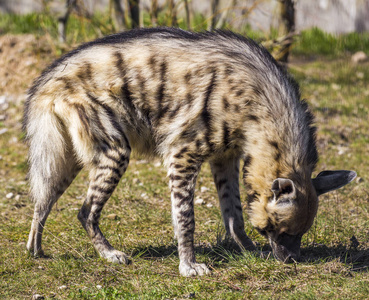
[283, 188]
[327, 181]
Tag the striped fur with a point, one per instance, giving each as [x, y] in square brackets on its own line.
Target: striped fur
[187, 98]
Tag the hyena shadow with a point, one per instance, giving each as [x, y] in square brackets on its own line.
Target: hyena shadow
[219, 251]
[356, 259]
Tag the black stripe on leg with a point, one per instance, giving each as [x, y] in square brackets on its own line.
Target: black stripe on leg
[206, 115]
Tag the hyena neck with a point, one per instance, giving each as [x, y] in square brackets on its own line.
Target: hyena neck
[281, 146]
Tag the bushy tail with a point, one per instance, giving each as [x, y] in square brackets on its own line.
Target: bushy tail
[47, 148]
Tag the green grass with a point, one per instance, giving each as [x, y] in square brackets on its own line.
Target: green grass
[332, 265]
[315, 42]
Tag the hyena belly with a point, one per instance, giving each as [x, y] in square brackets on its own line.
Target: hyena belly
[185, 97]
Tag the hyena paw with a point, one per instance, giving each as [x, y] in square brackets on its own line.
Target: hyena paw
[193, 269]
[116, 257]
[36, 253]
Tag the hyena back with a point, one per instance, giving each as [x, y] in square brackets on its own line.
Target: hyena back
[187, 98]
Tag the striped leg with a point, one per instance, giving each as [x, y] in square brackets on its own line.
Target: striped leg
[49, 191]
[182, 175]
[226, 177]
[104, 177]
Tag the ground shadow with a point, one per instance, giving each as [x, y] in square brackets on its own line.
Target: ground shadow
[221, 251]
[356, 258]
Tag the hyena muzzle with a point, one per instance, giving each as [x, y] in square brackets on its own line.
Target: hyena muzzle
[187, 98]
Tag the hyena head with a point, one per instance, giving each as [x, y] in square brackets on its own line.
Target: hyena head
[287, 211]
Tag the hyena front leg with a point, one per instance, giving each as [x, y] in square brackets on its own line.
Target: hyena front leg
[45, 192]
[108, 168]
[182, 179]
[226, 177]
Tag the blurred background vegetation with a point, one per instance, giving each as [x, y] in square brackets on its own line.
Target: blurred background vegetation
[71, 22]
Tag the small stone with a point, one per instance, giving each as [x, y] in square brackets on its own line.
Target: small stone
[4, 105]
[112, 216]
[17, 198]
[199, 201]
[99, 286]
[360, 75]
[359, 179]
[2, 99]
[9, 195]
[62, 287]
[135, 181]
[40, 267]
[204, 189]
[209, 205]
[358, 57]
[37, 297]
[335, 86]
[3, 130]
[13, 140]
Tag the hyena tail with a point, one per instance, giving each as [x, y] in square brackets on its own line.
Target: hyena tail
[52, 165]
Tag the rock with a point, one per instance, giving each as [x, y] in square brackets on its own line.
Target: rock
[335, 86]
[199, 201]
[359, 179]
[360, 75]
[112, 216]
[3, 130]
[62, 287]
[204, 189]
[209, 205]
[136, 181]
[37, 297]
[3, 103]
[359, 57]
[99, 286]
[9, 195]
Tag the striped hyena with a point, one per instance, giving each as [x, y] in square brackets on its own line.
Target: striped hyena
[188, 98]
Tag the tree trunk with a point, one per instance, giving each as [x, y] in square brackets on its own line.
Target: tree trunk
[172, 13]
[154, 12]
[287, 15]
[119, 16]
[188, 15]
[134, 8]
[63, 20]
[214, 15]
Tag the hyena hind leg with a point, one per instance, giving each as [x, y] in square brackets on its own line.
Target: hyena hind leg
[104, 177]
[45, 194]
[226, 177]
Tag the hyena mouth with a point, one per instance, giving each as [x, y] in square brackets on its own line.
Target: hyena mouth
[286, 248]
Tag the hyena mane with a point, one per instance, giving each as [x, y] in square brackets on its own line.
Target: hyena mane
[187, 98]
